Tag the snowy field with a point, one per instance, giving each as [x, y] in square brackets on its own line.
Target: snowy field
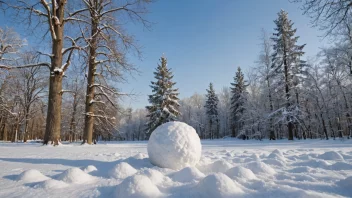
[228, 168]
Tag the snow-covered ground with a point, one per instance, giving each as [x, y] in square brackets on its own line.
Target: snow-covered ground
[228, 168]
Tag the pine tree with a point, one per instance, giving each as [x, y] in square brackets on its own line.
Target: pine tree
[164, 100]
[211, 106]
[238, 100]
[286, 61]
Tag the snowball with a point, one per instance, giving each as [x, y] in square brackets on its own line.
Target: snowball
[187, 174]
[331, 155]
[218, 185]
[174, 145]
[90, 168]
[137, 186]
[32, 175]
[122, 170]
[240, 172]
[260, 167]
[51, 184]
[75, 175]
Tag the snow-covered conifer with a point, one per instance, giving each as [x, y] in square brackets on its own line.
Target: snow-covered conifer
[164, 105]
[211, 106]
[238, 100]
[286, 62]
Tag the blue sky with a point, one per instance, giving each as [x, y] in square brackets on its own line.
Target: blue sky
[205, 41]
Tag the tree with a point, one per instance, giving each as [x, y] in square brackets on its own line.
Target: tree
[106, 51]
[164, 100]
[211, 106]
[285, 61]
[328, 14]
[266, 73]
[32, 85]
[238, 100]
[10, 43]
[54, 15]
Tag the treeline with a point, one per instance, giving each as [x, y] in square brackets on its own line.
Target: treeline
[284, 96]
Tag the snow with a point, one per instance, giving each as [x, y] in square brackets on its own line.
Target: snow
[90, 169]
[240, 172]
[75, 175]
[31, 175]
[174, 145]
[218, 185]
[51, 184]
[331, 155]
[187, 174]
[137, 186]
[227, 168]
[122, 170]
[260, 167]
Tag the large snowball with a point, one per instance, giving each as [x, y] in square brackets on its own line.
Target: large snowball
[174, 145]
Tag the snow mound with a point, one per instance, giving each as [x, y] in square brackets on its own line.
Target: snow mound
[140, 156]
[137, 186]
[274, 162]
[51, 184]
[345, 183]
[174, 145]
[187, 174]
[303, 169]
[75, 175]
[240, 172]
[217, 166]
[255, 157]
[155, 176]
[331, 155]
[260, 167]
[218, 185]
[32, 175]
[313, 163]
[277, 152]
[341, 166]
[277, 156]
[122, 170]
[90, 168]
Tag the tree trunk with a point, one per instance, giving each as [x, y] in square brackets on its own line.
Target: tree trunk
[25, 133]
[89, 112]
[53, 119]
[288, 104]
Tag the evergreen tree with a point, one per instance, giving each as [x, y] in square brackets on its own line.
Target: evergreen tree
[164, 100]
[286, 61]
[238, 100]
[211, 106]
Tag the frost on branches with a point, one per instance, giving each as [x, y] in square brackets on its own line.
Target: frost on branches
[164, 101]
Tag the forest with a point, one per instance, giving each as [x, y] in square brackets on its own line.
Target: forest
[69, 90]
